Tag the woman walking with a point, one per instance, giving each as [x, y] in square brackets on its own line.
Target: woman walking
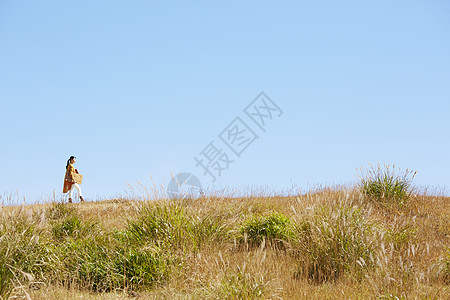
[69, 180]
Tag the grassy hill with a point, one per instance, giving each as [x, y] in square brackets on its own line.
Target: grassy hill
[337, 243]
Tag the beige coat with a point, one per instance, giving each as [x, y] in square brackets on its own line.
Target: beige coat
[68, 178]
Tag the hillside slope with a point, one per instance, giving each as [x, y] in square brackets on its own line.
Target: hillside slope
[331, 244]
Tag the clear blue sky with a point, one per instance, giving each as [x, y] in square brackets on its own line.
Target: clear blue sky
[136, 89]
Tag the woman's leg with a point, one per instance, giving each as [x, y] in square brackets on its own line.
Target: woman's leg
[78, 188]
[71, 191]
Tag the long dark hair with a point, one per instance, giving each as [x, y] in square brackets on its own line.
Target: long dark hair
[68, 161]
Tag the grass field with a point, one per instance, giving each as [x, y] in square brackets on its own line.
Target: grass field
[336, 243]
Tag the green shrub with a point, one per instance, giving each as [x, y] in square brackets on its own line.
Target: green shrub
[273, 228]
[387, 185]
[333, 242]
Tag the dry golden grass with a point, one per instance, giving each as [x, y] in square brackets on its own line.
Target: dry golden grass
[407, 264]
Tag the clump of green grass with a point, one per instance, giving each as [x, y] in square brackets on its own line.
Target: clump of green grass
[273, 228]
[87, 263]
[70, 225]
[144, 267]
[60, 210]
[204, 230]
[161, 224]
[6, 272]
[400, 235]
[333, 242]
[23, 251]
[241, 285]
[169, 226]
[101, 264]
[85, 256]
[387, 185]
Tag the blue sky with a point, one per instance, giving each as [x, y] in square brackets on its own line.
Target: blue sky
[136, 89]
